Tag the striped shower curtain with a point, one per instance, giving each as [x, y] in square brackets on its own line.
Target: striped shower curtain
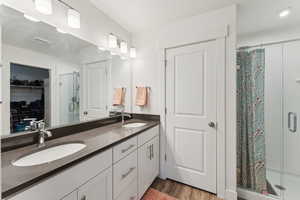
[251, 166]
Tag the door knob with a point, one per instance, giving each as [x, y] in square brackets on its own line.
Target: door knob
[212, 124]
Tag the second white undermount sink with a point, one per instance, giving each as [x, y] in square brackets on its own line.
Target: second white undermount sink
[49, 154]
[134, 125]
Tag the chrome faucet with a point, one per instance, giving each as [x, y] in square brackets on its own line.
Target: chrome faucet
[123, 115]
[43, 133]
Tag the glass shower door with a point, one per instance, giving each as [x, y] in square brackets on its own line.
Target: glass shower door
[291, 107]
[269, 138]
[69, 98]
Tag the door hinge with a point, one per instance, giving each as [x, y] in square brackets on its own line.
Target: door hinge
[166, 110]
[165, 157]
[166, 62]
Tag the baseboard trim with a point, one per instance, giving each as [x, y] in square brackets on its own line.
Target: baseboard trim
[249, 195]
[230, 195]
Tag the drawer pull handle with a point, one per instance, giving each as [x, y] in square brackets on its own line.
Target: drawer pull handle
[152, 151]
[127, 149]
[127, 173]
[149, 152]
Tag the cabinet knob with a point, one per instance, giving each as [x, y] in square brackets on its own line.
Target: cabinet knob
[83, 198]
[212, 124]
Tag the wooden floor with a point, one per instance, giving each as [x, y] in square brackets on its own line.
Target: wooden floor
[181, 191]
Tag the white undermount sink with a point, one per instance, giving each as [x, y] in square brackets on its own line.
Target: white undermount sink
[134, 125]
[48, 154]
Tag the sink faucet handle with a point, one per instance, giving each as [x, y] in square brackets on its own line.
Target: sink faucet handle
[41, 125]
[48, 133]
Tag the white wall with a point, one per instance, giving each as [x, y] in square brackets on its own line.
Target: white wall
[121, 77]
[36, 59]
[95, 25]
[148, 70]
[269, 36]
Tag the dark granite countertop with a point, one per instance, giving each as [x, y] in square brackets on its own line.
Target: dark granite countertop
[17, 179]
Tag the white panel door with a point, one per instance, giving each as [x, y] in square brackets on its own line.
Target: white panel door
[191, 115]
[95, 91]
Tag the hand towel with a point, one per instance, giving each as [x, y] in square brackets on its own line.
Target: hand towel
[118, 97]
[141, 96]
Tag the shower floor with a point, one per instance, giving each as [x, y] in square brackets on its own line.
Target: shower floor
[290, 182]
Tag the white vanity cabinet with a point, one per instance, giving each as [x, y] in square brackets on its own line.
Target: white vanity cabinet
[148, 162]
[72, 196]
[99, 187]
[123, 172]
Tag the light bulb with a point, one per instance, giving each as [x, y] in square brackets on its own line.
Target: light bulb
[43, 6]
[112, 41]
[285, 13]
[132, 52]
[73, 18]
[123, 47]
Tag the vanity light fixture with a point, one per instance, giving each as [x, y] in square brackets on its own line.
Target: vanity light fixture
[112, 41]
[73, 18]
[61, 31]
[31, 18]
[43, 6]
[284, 13]
[123, 47]
[132, 52]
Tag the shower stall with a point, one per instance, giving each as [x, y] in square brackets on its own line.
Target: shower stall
[69, 97]
[268, 111]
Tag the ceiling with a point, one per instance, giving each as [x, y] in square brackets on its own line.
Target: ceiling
[253, 15]
[39, 36]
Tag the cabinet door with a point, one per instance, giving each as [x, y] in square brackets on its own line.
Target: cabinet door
[98, 188]
[148, 164]
[72, 196]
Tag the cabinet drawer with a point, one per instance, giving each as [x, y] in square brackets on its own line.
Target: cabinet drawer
[147, 135]
[130, 192]
[124, 149]
[125, 171]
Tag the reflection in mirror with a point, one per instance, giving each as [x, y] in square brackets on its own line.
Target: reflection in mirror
[55, 77]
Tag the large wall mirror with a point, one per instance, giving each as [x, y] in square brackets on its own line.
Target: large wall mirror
[53, 76]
